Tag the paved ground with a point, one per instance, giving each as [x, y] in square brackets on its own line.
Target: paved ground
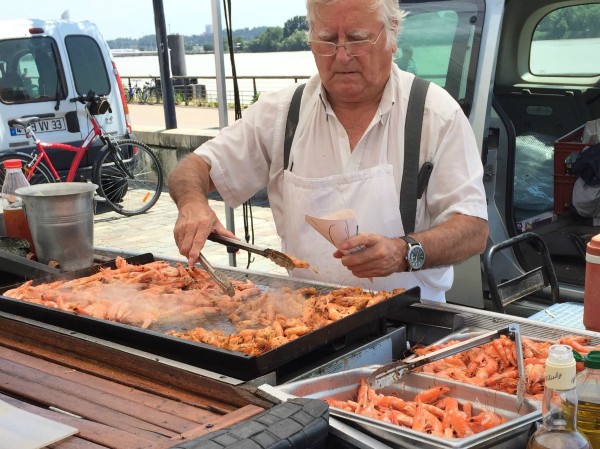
[153, 231]
[188, 117]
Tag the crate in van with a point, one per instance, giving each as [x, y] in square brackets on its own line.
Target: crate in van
[566, 150]
[43, 65]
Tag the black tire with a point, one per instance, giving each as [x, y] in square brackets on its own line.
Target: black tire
[125, 194]
[152, 96]
[145, 95]
[42, 174]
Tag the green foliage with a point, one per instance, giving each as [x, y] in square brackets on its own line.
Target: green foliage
[270, 40]
[296, 23]
[298, 41]
[574, 22]
[292, 37]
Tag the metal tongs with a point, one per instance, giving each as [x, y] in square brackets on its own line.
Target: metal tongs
[221, 280]
[392, 372]
[281, 259]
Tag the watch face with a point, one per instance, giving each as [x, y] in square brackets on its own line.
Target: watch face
[416, 257]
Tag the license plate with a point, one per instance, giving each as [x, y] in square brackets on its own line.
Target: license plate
[45, 125]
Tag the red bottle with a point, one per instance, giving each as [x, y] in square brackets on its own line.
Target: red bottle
[14, 215]
[591, 295]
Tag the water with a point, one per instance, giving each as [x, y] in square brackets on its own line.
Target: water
[284, 64]
[247, 64]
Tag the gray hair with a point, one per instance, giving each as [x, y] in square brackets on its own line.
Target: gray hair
[389, 13]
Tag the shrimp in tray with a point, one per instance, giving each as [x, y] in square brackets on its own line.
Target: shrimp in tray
[432, 411]
[494, 365]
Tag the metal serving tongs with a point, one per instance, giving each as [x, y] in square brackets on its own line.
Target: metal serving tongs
[221, 280]
[392, 372]
[281, 259]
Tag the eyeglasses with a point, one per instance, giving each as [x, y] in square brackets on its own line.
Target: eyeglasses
[355, 48]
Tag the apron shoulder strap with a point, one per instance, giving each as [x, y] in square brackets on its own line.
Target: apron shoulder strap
[413, 185]
[291, 124]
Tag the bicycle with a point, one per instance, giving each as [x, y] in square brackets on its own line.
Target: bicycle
[150, 94]
[133, 93]
[127, 172]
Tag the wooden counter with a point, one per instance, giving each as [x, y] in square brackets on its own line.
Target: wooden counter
[123, 400]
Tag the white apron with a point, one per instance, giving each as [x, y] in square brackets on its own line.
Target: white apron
[372, 194]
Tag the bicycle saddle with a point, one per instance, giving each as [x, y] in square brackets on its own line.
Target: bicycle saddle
[23, 122]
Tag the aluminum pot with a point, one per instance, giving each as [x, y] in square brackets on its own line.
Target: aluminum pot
[61, 220]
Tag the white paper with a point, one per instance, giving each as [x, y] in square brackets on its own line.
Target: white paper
[336, 227]
[591, 132]
[23, 430]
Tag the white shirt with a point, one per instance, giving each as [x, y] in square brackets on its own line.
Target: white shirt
[248, 155]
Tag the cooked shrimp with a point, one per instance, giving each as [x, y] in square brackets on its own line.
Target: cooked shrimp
[432, 394]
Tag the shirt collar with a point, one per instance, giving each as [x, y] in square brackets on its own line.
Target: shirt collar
[385, 105]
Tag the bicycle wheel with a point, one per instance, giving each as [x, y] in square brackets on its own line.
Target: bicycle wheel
[129, 176]
[138, 95]
[152, 97]
[42, 174]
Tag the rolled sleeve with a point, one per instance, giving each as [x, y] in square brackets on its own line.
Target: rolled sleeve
[456, 183]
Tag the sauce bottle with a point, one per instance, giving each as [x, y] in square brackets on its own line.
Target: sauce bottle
[14, 215]
[559, 407]
[591, 294]
[588, 396]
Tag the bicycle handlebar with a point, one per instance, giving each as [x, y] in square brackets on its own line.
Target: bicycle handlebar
[95, 104]
[90, 97]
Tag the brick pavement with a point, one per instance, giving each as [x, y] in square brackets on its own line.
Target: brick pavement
[153, 231]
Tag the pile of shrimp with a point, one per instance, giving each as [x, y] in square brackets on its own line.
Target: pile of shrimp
[139, 295]
[142, 295]
[431, 411]
[494, 365]
[278, 317]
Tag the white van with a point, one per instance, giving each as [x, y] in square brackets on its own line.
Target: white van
[44, 64]
[527, 75]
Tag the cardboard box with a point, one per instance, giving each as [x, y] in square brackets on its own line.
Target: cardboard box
[565, 149]
[530, 223]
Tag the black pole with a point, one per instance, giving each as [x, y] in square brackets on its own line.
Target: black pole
[166, 82]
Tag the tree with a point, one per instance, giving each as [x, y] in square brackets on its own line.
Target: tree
[296, 23]
[296, 42]
[270, 40]
[570, 23]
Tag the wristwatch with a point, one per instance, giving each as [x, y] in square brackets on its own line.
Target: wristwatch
[415, 256]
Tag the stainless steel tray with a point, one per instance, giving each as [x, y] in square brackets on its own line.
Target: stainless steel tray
[470, 332]
[343, 386]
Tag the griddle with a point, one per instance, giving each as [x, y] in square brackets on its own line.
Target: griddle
[230, 363]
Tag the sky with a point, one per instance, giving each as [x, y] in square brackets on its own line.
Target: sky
[135, 18]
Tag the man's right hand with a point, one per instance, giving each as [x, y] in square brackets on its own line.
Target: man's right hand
[189, 184]
[194, 222]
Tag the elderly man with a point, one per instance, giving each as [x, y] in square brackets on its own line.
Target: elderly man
[347, 153]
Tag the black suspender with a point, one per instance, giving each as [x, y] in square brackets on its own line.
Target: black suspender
[410, 190]
[291, 124]
[413, 184]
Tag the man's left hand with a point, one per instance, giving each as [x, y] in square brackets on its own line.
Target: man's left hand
[380, 257]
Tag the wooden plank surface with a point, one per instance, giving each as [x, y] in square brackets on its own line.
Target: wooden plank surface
[115, 399]
[81, 382]
[131, 370]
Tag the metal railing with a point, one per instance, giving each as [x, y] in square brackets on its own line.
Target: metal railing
[250, 87]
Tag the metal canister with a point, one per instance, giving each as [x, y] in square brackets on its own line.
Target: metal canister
[61, 219]
[591, 295]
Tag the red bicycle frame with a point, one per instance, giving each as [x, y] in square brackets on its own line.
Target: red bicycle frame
[79, 151]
